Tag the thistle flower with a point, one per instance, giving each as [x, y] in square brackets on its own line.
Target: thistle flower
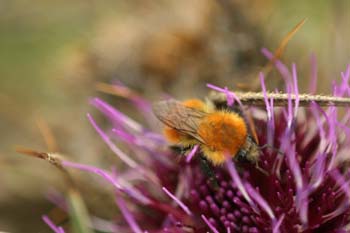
[304, 186]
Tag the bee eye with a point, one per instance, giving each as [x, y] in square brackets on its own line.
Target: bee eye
[241, 156]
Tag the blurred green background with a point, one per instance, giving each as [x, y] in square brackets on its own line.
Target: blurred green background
[52, 53]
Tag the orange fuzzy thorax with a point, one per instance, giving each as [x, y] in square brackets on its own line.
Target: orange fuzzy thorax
[222, 133]
[174, 136]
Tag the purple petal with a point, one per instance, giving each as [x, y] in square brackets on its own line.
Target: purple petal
[302, 203]
[269, 110]
[127, 215]
[124, 136]
[125, 187]
[260, 201]
[229, 97]
[344, 86]
[332, 136]
[276, 227]
[302, 194]
[329, 140]
[192, 153]
[317, 171]
[124, 157]
[296, 89]
[209, 224]
[314, 108]
[230, 94]
[235, 177]
[178, 201]
[290, 114]
[271, 124]
[263, 87]
[53, 227]
[115, 115]
[344, 186]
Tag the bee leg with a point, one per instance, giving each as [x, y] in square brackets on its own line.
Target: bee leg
[261, 169]
[208, 171]
[180, 149]
[271, 147]
[242, 157]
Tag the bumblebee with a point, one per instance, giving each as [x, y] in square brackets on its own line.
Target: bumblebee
[219, 133]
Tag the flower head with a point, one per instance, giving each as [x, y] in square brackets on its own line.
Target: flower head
[300, 183]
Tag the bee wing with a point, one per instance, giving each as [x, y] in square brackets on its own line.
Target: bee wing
[177, 116]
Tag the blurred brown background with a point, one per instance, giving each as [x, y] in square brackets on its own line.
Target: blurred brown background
[52, 53]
